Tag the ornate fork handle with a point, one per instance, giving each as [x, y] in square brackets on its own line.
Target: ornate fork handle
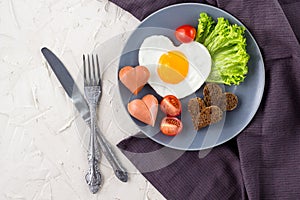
[92, 92]
[93, 177]
[92, 89]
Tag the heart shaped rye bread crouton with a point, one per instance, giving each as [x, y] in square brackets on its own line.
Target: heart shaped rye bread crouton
[134, 78]
[144, 109]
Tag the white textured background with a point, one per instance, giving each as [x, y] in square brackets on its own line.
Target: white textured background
[42, 150]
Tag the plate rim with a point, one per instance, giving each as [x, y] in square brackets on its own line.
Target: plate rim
[259, 98]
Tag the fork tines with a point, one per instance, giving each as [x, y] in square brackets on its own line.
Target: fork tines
[91, 74]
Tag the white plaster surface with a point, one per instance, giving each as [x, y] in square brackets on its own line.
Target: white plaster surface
[42, 138]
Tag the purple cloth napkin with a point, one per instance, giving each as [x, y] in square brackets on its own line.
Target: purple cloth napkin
[262, 162]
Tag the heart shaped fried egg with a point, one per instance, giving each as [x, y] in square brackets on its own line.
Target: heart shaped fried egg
[176, 70]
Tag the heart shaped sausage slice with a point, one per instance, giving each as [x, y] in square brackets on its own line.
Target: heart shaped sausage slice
[144, 109]
[134, 78]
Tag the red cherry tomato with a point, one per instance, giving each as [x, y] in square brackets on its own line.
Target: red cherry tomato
[185, 33]
[171, 106]
[171, 126]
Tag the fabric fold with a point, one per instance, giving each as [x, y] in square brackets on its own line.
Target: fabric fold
[188, 176]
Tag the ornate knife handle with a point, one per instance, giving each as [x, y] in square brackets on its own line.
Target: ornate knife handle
[108, 153]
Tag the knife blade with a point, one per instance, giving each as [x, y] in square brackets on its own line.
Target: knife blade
[81, 105]
[67, 83]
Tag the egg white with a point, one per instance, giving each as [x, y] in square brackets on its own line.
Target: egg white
[198, 58]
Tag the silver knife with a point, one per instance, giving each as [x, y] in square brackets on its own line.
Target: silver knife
[81, 105]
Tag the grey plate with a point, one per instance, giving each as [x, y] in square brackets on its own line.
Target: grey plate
[250, 92]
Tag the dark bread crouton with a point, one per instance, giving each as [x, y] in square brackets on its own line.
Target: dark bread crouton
[231, 101]
[211, 114]
[208, 115]
[212, 89]
[209, 110]
[213, 96]
[195, 106]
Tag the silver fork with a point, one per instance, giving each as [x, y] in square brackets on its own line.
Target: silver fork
[92, 90]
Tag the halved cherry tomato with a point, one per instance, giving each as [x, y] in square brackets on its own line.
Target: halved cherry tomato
[171, 126]
[171, 105]
[185, 33]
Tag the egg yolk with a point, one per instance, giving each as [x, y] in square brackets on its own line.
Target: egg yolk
[173, 67]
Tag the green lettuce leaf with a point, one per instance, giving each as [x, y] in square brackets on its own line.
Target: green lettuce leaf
[205, 26]
[227, 46]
